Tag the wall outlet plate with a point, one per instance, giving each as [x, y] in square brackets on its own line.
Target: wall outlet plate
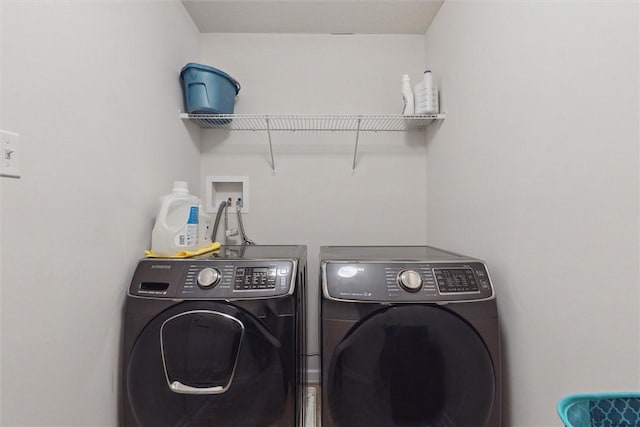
[221, 188]
[9, 154]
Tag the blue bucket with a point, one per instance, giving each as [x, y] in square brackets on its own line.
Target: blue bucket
[208, 90]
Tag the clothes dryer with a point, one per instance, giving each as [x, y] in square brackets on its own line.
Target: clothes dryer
[216, 340]
[410, 338]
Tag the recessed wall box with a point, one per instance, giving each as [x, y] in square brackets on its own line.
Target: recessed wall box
[221, 188]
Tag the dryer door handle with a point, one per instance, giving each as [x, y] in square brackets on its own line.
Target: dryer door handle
[178, 387]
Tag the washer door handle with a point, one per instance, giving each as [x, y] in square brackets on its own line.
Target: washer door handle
[178, 387]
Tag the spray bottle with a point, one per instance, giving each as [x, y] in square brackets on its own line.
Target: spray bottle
[407, 96]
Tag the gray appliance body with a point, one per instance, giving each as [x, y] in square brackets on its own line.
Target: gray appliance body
[216, 340]
[410, 337]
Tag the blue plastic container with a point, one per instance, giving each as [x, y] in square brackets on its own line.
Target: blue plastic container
[208, 90]
[620, 409]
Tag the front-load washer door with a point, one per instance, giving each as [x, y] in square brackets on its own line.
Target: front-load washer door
[411, 366]
[207, 364]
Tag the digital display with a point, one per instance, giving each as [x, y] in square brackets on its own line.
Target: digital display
[455, 280]
[254, 278]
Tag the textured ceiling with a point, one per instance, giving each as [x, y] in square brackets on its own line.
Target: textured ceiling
[312, 16]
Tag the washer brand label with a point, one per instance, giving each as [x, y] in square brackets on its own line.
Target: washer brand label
[160, 266]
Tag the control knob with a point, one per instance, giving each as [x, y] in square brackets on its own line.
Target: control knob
[208, 277]
[410, 280]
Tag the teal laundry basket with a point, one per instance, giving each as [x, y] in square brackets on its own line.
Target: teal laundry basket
[208, 90]
[600, 410]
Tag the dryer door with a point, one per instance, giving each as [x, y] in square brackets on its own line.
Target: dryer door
[206, 363]
[414, 365]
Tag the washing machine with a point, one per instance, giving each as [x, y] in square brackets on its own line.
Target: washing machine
[216, 340]
[410, 337]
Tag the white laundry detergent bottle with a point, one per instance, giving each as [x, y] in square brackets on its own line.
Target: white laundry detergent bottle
[205, 228]
[176, 227]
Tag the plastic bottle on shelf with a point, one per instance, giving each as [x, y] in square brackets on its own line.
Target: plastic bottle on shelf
[176, 227]
[426, 95]
[407, 96]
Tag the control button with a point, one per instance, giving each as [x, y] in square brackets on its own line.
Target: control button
[208, 277]
[409, 280]
[282, 271]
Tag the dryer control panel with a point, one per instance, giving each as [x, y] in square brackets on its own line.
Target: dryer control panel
[439, 282]
[213, 279]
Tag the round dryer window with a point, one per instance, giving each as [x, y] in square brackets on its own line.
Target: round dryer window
[413, 365]
[197, 363]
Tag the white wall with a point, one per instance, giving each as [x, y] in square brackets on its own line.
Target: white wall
[313, 198]
[536, 170]
[1, 186]
[93, 89]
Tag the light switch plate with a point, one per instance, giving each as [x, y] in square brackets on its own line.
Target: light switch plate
[9, 154]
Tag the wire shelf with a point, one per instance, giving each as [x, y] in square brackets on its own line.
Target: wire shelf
[300, 122]
[297, 122]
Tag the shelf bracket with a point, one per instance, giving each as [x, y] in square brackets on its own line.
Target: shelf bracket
[355, 151]
[273, 163]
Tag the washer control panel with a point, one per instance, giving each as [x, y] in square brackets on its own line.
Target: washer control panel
[458, 280]
[248, 278]
[213, 279]
[439, 282]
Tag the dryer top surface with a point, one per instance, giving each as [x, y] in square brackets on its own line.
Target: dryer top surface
[388, 253]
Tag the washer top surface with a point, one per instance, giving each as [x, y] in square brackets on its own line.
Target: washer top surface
[231, 273]
[257, 252]
[387, 253]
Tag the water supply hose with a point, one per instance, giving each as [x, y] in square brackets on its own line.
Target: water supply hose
[245, 239]
[226, 222]
[217, 221]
